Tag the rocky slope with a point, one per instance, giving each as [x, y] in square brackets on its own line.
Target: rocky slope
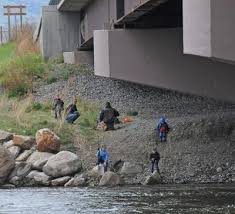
[200, 148]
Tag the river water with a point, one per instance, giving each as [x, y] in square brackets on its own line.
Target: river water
[159, 199]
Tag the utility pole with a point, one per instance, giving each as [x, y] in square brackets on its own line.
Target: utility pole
[1, 35]
[14, 10]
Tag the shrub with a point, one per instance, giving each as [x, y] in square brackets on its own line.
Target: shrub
[51, 80]
[36, 106]
[18, 91]
[132, 113]
[17, 75]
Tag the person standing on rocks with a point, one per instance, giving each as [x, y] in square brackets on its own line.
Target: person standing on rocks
[103, 157]
[72, 112]
[155, 158]
[163, 129]
[58, 107]
[108, 116]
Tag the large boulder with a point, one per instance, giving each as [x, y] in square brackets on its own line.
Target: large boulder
[24, 155]
[62, 164]
[47, 141]
[111, 179]
[39, 159]
[7, 164]
[15, 151]
[131, 169]
[5, 136]
[24, 142]
[153, 179]
[36, 178]
[60, 181]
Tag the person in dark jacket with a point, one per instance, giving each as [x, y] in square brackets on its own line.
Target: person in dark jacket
[108, 116]
[72, 112]
[154, 159]
[58, 107]
[163, 129]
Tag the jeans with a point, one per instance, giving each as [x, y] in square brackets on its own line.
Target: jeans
[58, 111]
[154, 166]
[162, 136]
[71, 117]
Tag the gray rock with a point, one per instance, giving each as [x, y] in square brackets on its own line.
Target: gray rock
[97, 171]
[16, 181]
[15, 151]
[153, 179]
[39, 159]
[40, 178]
[219, 169]
[111, 179]
[24, 155]
[60, 181]
[5, 136]
[131, 169]
[21, 170]
[8, 144]
[7, 164]
[62, 164]
[8, 186]
[78, 180]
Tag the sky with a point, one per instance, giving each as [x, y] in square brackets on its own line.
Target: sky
[33, 9]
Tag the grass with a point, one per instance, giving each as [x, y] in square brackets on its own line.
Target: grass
[25, 117]
[88, 119]
[17, 74]
[7, 52]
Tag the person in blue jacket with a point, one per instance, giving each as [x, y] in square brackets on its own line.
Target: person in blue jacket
[103, 157]
[163, 129]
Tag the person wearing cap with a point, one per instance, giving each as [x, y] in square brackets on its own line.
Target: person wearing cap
[72, 112]
[108, 116]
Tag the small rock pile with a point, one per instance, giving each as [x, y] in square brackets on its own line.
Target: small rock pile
[31, 162]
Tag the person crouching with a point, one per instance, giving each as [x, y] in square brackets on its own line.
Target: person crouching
[72, 112]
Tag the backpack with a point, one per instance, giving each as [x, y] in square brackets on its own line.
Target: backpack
[108, 115]
[163, 128]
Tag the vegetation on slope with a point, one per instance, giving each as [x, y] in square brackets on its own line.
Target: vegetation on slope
[21, 67]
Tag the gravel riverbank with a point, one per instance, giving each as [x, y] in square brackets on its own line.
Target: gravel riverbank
[201, 145]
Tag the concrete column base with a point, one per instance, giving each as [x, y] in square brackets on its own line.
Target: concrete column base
[79, 57]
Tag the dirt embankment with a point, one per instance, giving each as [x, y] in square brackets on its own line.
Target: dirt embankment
[201, 144]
